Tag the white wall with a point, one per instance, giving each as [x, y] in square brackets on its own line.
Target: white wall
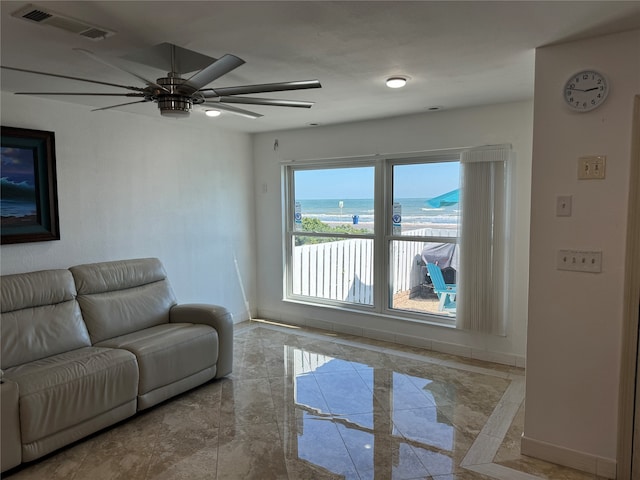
[136, 186]
[505, 123]
[575, 319]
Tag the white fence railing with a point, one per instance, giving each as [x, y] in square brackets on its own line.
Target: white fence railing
[343, 270]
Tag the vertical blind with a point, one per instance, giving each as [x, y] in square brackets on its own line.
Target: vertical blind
[482, 283]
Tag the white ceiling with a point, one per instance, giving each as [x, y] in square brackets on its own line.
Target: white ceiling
[456, 54]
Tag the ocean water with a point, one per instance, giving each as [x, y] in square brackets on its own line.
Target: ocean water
[413, 211]
[17, 199]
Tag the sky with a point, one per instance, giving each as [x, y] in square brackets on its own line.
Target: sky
[424, 180]
[17, 164]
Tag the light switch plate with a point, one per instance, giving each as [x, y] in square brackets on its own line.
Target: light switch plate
[592, 167]
[563, 206]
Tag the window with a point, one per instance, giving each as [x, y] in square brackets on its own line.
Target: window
[332, 234]
[425, 217]
[390, 236]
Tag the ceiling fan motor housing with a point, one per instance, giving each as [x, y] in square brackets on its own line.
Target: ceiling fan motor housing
[173, 104]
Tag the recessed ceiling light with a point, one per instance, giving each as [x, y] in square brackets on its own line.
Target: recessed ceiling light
[212, 113]
[396, 82]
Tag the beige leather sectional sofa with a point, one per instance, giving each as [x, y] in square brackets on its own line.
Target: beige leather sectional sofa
[86, 347]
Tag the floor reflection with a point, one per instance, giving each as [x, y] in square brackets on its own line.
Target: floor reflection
[345, 417]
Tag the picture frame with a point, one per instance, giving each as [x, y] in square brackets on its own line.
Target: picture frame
[28, 190]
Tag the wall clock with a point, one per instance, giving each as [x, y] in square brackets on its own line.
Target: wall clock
[586, 90]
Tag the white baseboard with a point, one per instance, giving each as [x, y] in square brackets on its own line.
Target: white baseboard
[427, 344]
[603, 467]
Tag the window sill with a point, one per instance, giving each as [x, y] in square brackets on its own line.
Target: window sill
[396, 315]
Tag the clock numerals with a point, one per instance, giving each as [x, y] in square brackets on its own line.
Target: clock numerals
[585, 91]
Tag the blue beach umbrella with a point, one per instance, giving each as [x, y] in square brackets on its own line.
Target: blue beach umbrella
[446, 199]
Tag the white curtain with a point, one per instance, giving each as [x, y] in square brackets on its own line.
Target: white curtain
[482, 277]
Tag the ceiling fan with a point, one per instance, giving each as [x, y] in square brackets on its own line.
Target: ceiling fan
[176, 96]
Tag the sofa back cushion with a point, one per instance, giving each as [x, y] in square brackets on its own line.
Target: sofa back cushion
[40, 317]
[117, 298]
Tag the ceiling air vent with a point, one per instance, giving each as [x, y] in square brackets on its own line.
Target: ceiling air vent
[44, 16]
[36, 15]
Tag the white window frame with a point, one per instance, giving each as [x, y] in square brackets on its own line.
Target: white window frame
[382, 236]
[389, 238]
[289, 229]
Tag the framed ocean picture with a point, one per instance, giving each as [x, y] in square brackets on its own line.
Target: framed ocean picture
[28, 192]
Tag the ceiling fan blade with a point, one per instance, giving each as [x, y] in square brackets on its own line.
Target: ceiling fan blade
[119, 105]
[263, 88]
[118, 67]
[266, 101]
[138, 89]
[208, 74]
[83, 93]
[236, 110]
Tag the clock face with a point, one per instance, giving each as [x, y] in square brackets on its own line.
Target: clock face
[585, 90]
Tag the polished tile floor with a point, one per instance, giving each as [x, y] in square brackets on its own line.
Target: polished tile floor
[304, 404]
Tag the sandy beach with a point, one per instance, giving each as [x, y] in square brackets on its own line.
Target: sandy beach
[18, 221]
[406, 227]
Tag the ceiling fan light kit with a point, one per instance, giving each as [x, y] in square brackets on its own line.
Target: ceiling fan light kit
[176, 96]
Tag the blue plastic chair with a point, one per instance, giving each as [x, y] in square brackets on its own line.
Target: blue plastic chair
[446, 291]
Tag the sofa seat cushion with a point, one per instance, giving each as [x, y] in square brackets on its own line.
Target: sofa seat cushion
[64, 390]
[168, 353]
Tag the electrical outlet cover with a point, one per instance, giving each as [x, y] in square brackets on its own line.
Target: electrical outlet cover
[580, 261]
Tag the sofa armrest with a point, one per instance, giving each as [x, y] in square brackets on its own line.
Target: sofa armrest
[217, 317]
[10, 437]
